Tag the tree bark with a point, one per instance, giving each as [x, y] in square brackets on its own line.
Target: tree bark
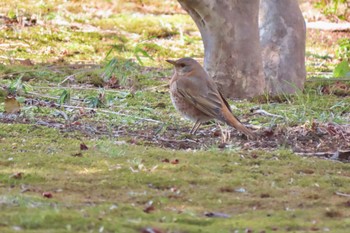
[282, 36]
[230, 33]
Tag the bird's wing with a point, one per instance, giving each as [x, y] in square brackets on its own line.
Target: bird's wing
[202, 93]
[225, 101]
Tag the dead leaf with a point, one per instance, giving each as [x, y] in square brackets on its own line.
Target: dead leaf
[26, 62]
[17, 175]
[83, 146]
[149, 209]
[227, 190]
[78, 154]
[165, 161]
[341, 155]
[216, 215]
[113, 82]
[150, 230]
[12, 105]
[217, 133]
[175, 161]
[333, 214]
[160, 105]
[222, 145]
[344, 155]
[47, 194]
[347, 203]
[264, 195]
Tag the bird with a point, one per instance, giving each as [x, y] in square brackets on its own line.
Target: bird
[196, 96]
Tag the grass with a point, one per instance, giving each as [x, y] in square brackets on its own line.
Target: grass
[121, 183]
[111, 185]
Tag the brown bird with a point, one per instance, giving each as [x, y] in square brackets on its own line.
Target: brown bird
[196, 96]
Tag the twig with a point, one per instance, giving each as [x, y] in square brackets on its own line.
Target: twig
[334, 156]
[16, 73]
[113, 113]
[69, 77]
[76, 88]
[13, 45]
[155, 87]
[318, 154]
[263, 112]
[342, 194]
[177, 141]
[332, 79]
[75, 65]
[47, 96]
[328, 26]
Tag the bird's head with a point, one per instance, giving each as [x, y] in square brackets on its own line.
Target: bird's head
[185, 65]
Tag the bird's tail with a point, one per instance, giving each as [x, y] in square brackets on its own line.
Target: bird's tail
[232, 121]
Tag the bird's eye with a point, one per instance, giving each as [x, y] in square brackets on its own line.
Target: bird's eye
[182, 65]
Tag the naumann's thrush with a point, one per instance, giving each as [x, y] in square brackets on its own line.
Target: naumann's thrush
[196, 96]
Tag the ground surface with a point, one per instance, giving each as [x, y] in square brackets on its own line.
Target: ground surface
[98, 147]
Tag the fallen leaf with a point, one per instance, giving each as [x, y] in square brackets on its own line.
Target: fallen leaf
[175, 161]
[113, 82]
[268, 132]
[216, 215]
[165, 161]
[306, 171]
[264, 195]
[12, 105]
[347, 204]
[83, 146]
[222, 145]
[47, 194]
[226, 190]
[151, 230]
[344, 155]
[160, 105]
[17, 175]
[77, 154]
[217, 133]
[26, 62]
[149, 209]
[333, 214]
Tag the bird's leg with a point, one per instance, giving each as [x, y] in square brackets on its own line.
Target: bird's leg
[195, 127]
[225, 134]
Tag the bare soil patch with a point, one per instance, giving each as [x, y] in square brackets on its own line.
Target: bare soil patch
[328, 140]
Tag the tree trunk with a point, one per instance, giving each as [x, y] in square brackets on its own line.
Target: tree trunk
[230, 33]
[282, 36]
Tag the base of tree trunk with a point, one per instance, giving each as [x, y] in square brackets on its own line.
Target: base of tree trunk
[282, 36]
[244, 61]
[230, 33]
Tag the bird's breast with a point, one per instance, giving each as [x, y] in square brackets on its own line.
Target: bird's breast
[187, 109]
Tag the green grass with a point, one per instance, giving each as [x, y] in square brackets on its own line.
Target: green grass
[111, 185]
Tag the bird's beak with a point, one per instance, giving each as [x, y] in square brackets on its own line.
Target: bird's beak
[171, 62]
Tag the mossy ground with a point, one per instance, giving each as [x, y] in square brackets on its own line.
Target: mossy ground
[129, 180]
[112, 187]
